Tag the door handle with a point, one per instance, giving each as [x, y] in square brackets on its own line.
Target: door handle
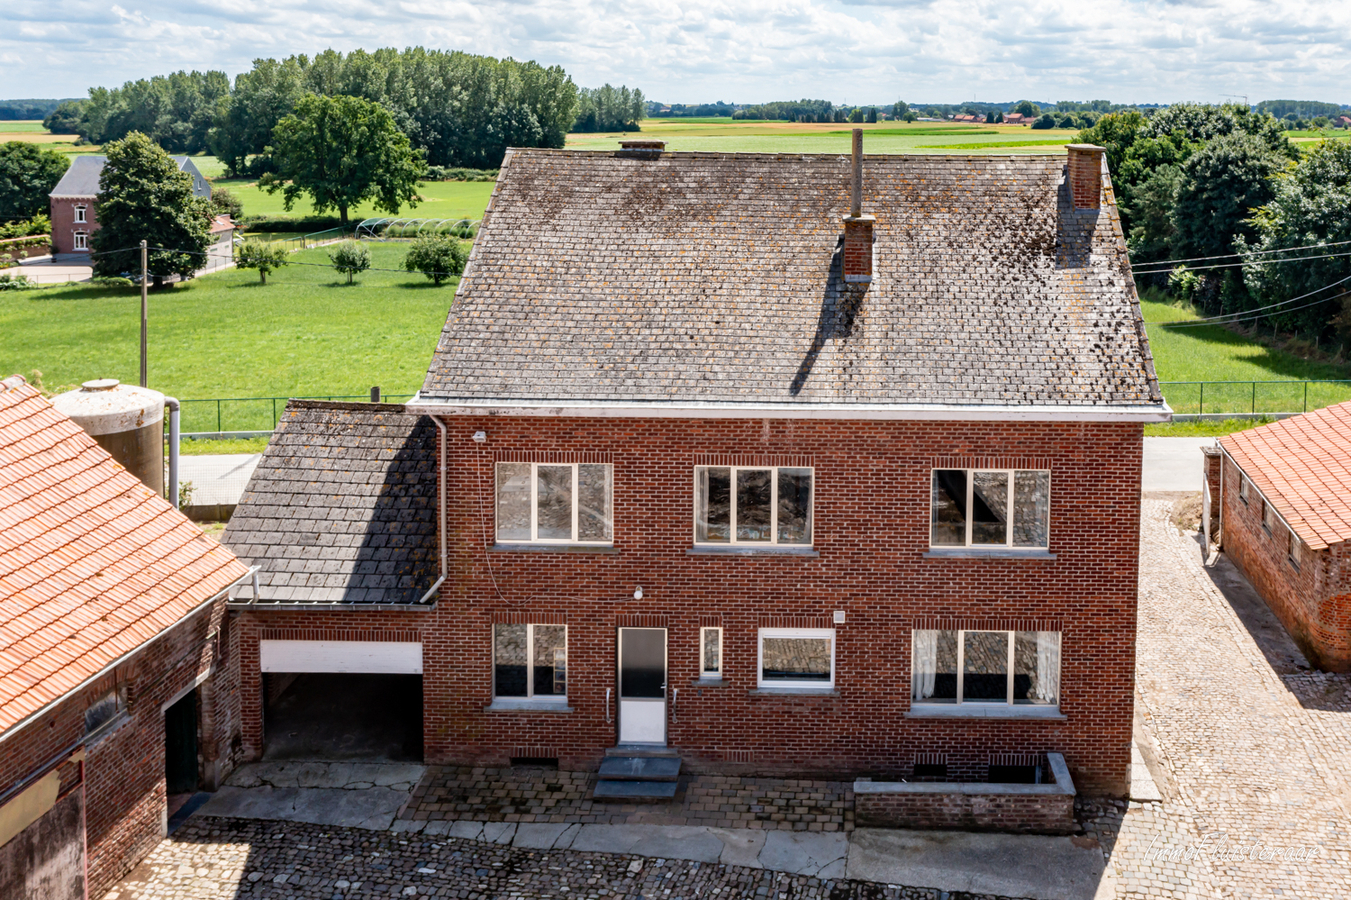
[674, 700]
[607, 704]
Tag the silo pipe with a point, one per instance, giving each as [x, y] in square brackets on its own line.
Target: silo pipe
[172, 404]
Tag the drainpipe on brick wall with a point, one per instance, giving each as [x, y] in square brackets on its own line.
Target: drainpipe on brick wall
[440, 506]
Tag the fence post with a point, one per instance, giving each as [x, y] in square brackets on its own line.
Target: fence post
[1306, 396]
[1254, 398]
[375, 393]
[1201, 411]
[217, 417]
[274, 412]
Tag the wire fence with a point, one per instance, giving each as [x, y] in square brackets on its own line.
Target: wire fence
[1253, 398]
[314, 239]
[230, 415]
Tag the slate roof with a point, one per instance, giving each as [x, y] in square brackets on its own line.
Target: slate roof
[342, 507]
[82, 178]
[711, 277]
[93, 564]
[1302, 466]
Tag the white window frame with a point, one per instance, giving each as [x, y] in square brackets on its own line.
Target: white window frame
[530, 694]
[81, 213]
[773, 508]
[778, 684]
[961, 674]
[534, 506]
[970, 494]
[81, 241]
[705, 673]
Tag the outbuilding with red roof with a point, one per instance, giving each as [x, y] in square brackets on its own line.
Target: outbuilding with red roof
[112, 623]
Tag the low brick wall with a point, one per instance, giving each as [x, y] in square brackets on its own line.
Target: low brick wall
[1017, 808]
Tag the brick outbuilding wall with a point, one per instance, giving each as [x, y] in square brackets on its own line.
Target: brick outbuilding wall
[872, 482]
[1312, 601]
[124, 768]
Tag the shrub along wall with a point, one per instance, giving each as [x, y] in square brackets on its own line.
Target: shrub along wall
[15, 249]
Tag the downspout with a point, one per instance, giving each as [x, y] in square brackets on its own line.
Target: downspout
[172, 403]
[440, 506]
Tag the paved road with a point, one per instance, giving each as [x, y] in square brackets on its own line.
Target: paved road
[1173, 464]
[218, 480]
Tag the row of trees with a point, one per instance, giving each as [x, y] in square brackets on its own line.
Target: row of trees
[1195, 182]
[609, 108]
[457, 108]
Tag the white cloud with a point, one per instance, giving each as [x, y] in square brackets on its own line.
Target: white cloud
[745, 51]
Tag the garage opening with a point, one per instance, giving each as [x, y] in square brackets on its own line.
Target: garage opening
[342, 700]
[342, 716]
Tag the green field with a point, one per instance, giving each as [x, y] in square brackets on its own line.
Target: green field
[20, 126]
[1214, 354]
[442, 200]
[305, 333]
[750, 136]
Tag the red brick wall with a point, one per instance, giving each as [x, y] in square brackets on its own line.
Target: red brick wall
[871, 530]
[858, 249]
[64, 225]
[124, 770]
[1085, 177]
[1022, 813]
[1313, 602]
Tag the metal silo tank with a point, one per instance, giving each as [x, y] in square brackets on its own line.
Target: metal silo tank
[126, 421]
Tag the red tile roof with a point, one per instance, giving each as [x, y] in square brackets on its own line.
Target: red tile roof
[93, 564]
[1302, 466]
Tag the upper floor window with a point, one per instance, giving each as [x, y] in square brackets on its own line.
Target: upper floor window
[1297, 550]
[752, 505]
[1269, 519]
[1009, 667]
[80, 214]
[555, 502]
[990, 508]
[1244, 485]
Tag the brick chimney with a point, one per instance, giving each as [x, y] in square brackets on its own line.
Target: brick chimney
[858, 228]
[1085, 174]
[642, 148]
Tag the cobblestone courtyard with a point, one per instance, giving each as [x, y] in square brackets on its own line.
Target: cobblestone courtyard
[1252, 753]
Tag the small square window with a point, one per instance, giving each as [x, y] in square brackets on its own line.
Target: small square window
[1269, 518]
[530, 661]
[710, 652]
[802, 658]
[1244, 487]
[1297, 550]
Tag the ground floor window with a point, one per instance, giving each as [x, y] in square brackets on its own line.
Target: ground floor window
[1009, 667]
[81, 241]
[797, 658]
[530, 661]
[710, 652]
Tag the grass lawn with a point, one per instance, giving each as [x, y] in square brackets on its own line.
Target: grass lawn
[1212, 353]
[441, 200]
[20, 126]
[1172, 429]
[195, 447]
[306, 333]
[749, 136]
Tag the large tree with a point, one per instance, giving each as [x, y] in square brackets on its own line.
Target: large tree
[27, 175]
[144, 196]
[1221, 186]
[343, 151]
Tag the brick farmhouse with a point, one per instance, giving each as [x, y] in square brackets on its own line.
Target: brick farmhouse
[773, 464]
[112, 624]
[73, 201]
[1285, 521]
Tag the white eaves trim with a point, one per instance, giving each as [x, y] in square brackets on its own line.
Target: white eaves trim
[1160, 412]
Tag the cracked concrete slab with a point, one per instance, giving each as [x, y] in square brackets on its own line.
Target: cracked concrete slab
[350, 776]
[373, 808]
[819, 854]
[740, 846]
[545, 835]
[692, 842]
[1013, 865]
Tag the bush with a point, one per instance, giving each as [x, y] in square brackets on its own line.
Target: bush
[112, 281]
[457, 173]
[224, 203]
[1184, 283]
[288, 223]
[436, 256]
[39, 224]
[1046, 121]
[15, 283]
[350, 258]
[260, 255]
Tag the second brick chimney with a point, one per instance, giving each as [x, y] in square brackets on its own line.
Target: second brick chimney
[1085, 174]
[858, 228]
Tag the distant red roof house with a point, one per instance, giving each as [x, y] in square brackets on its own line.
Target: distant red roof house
[110, 605]
[966, 117]
[1286, 523]
[1018, 119]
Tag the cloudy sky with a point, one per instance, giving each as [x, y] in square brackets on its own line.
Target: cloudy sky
[854, 51]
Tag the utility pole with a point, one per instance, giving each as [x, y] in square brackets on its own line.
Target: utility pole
[145, 274]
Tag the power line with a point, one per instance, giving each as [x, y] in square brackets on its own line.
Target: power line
[1248, 314]
[1159, 271]
[1160, 262]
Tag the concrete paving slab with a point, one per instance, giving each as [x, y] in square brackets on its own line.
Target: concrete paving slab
[819, 854]
[465, 831]
[373, 808]
[740, 846]
[1173, 464]
[499, 832]
[218, 479]
[544, 835]
[1143, 787]
[668, 841]
[1012, 865]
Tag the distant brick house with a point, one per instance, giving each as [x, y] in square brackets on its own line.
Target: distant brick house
[738, 468]
[1285, 520]
[74, 217]
[1018, 119]
[112, 624]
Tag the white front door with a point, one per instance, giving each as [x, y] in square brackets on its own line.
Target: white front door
[642, 685]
